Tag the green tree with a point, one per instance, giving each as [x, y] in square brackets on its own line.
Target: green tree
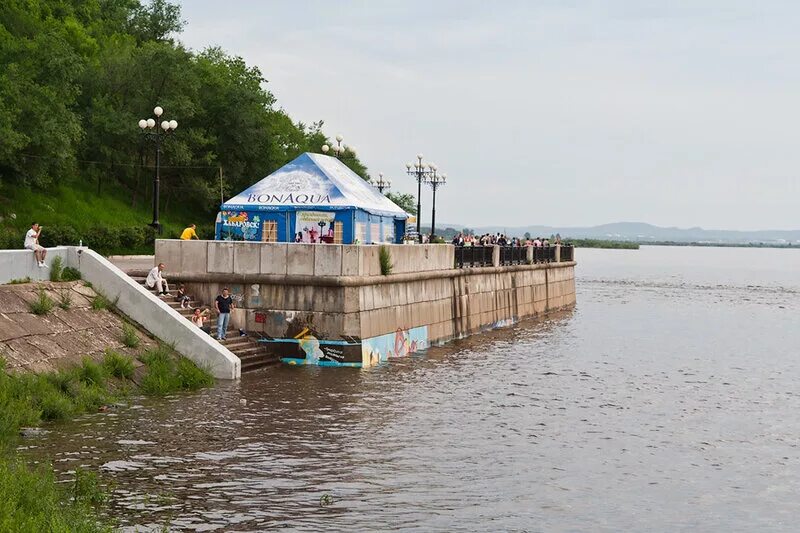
[406, 202]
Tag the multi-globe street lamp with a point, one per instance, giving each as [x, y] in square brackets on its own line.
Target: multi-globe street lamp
[420, 171]
[435, 181]
[157, 135]
[381, 184]
[340, 148]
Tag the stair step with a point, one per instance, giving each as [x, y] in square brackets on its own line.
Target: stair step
[258, 365]
[254, 351]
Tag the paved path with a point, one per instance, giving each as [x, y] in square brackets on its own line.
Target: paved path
[132, 262]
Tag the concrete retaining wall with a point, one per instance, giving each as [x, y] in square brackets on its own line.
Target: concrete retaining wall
[131, 299]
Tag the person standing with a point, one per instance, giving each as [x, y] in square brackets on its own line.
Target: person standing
[189, 233]
[32, 243]
[224, 304]
[156, 281]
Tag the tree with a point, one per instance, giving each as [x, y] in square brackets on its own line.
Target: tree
[406, 202]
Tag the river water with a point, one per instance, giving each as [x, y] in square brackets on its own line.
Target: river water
[667, 399]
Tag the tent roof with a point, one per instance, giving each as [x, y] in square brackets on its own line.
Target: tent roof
[314, 182]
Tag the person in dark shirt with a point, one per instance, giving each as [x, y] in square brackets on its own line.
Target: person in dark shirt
[223, 304]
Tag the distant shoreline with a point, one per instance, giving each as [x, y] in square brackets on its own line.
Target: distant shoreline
[635, 245]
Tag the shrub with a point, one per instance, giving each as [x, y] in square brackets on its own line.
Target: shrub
[56, 267]
[168, 372]
[118, 365]
[53, 405]
[100, 302]
[191, 376]
[385, 258]
[129, 336]
[42, 305]
[19, 281]
[64, 299]
[70, 274]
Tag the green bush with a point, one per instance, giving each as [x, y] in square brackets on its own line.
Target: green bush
[129, 336]
[54, 405]
[70, 274]
[168, 372]
[100, 302]
[64, 299]
[192, 377]
[56, 267]
[118, 365]
[385, 258]
[42, 305]
[91, 373]
[19, 281]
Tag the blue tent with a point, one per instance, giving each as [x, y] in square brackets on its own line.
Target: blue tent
[314, 198]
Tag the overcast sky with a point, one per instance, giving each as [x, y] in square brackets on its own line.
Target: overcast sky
[560, 112]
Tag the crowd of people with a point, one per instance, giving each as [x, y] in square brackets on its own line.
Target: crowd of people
[500, 239]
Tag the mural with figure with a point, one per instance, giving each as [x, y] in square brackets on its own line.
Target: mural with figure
[398, 344]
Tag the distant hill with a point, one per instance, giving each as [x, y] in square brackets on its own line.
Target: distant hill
[642, 232]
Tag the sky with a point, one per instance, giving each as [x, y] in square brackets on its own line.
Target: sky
[561, 113]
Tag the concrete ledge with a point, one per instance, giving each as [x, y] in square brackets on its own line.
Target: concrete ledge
[153, 314]
[358, 281]
[20, 264]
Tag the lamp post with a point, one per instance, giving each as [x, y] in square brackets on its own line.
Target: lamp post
[339, 149]
[381, 184]
[435, 181]
[157, 135]
[419, 171]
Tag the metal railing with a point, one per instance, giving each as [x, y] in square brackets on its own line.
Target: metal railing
[481, 256]
[473, 256]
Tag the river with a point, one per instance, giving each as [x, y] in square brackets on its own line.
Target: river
[667, 399]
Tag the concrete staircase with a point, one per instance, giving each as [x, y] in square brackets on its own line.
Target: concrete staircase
[252, 354]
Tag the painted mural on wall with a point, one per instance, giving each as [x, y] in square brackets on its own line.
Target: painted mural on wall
[239, 226]
[302, 344]
[314, 226]
[398, 344]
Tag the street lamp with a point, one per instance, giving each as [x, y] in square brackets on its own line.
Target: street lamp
[340, 149]
[419, 171]
[381, 184]
[157, 135]
[435, 181]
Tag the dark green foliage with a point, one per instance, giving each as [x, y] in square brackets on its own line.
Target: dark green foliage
[598, 243]
[42, 305]
[19, 281]
[406, 202]
[56, 267]
[385, 258]
[91, 373]
[70, 274]
[118, 365]
[129, 336]
[75, 79]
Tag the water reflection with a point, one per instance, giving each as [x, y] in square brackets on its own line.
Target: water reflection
[649, 407]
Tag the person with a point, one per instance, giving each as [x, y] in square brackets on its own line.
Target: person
[190, 233]
[199, 319]
[155, 280]
[32, 243]
[298, 237]
[224, 304]
[182, 297]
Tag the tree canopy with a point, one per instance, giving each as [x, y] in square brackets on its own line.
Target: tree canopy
[77, 75]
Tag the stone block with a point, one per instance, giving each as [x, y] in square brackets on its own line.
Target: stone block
[194, 257]
[220, 257]
[168, 251]
[328, 260]
[247, 257]
[369, 264]
[274, 258]
[300, 259]
[350, 260]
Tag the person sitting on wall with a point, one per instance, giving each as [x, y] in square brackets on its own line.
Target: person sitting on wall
[156, 281]
[189, 233]
[32, 243]
[199, 319]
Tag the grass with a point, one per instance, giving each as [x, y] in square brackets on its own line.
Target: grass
[100, 302]
[19, 281]
[129, 336]
[56, 268]
[42, 305]
[64, 299]
[169, 372]
[118, 365]
[385, 258]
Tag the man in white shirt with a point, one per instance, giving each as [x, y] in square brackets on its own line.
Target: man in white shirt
[32, 243]
[156, 281]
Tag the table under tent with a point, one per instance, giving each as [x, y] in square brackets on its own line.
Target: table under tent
[314, 199]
